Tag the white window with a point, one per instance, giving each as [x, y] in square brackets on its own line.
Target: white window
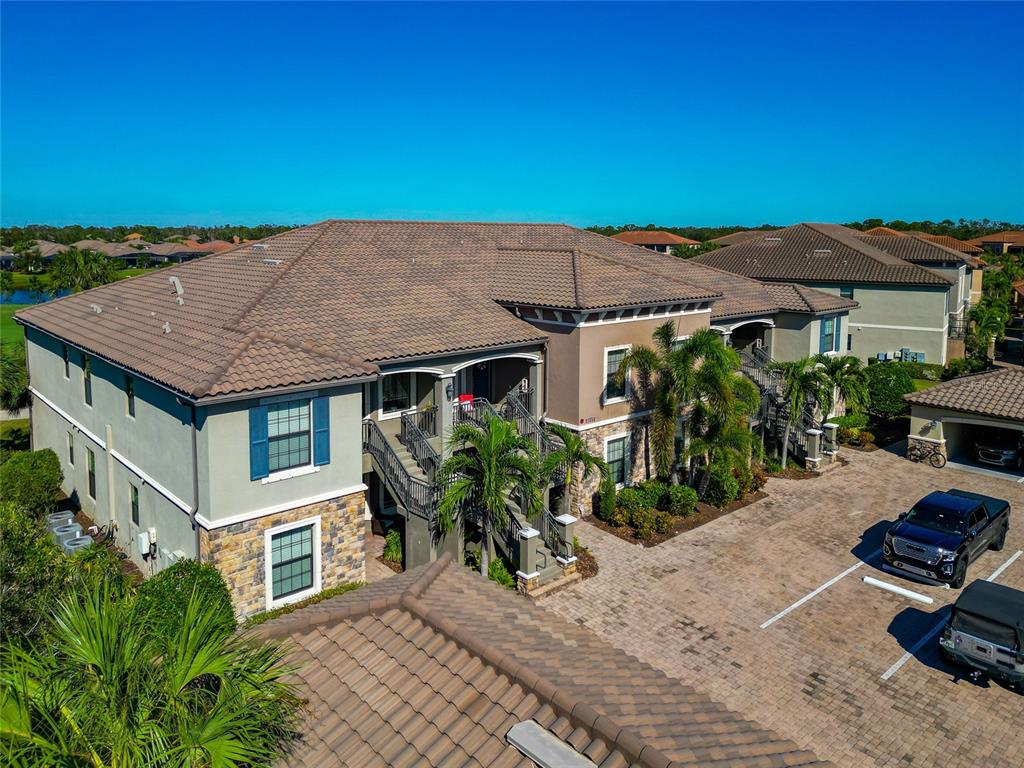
[288, 435]
[71, 449]
[397, 393]
[613, 391]
[292, 556]
[616, 455]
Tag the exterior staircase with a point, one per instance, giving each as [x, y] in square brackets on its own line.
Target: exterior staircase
[775, 411]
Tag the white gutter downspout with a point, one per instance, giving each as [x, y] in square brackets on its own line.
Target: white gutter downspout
[111, 495]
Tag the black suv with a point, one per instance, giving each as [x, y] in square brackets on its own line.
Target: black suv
[944, 533]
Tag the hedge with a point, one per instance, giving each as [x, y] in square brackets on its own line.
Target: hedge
[31, 481]
[887, 383]
[164, 598]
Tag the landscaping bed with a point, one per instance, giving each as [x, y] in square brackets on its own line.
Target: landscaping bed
[586, 563]
[396, 567]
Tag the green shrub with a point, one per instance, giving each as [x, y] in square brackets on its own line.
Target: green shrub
[851, 421]
[961, 366]
[642, 521]
[393, 546]
[760, 477]
[620, 517]
[326, 594]
[605, 507]
[723, 487]
[629, 499]
[663, 522]
[100, 563]
[772, 466]
[927, 371]
[682, 500]
[163, 599]
[887, 384]
[33, 572]
[498, 573]
[31, 480]
[471, 559]
[652, 493]
[866, 438]
[745, 477]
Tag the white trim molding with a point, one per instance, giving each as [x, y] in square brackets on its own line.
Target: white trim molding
[762, 320]
[602, 423]
[604, 379]
[858, 325]
[285, 474]
[268, 565]
[69, 418]
[413, 395]
[223, 522]
[533, 358]
[148, 480]
[627, 458]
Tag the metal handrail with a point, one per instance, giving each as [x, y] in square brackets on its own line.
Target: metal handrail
[413, 438]
[552, 537]
[474, 411]
[425, 420]
[414, 494]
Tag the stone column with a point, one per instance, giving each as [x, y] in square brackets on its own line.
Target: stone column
[565, 528]
[831, 440]
[536, 380]
[813, 448]
[528, 575]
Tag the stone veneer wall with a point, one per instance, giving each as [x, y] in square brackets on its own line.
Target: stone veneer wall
[594, 439]
[239, 554]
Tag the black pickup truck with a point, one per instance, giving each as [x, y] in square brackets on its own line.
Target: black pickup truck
[944, 533]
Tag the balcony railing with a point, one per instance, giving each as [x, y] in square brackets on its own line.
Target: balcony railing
[414, 494]
[424, 419]
[958, 326]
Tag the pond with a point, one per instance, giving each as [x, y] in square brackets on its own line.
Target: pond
[22, 296]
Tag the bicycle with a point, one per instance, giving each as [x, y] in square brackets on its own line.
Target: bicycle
[920, 452]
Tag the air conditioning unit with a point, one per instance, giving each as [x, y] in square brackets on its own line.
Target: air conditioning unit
[57, 519]
[63, 533]
[77, 544]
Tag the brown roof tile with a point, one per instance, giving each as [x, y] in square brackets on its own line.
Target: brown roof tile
[741, 237]
[819, 252]
[915, 249]
[653, 237]
[482, 660]
[998, 393]
[1011, 236]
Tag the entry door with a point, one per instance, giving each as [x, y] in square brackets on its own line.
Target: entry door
[482, 381]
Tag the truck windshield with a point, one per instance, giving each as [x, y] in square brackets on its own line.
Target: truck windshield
[942, 520]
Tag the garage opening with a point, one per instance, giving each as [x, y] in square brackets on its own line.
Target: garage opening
[986, 446]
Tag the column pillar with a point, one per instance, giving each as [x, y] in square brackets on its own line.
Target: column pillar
[536, 380]
[445, 416]
[565, 527]
[813, 448]
[831, 441]
[528, 575]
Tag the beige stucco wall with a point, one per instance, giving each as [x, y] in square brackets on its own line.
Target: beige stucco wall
[922, 416]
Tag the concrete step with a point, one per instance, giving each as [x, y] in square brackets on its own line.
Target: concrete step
[554, 586]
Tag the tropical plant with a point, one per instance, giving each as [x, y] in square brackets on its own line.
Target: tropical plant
[989, 320]
[845, 376]
[487, 466]
[802, 383]
[572, 453]
[393, 546]
[27, 257]
[498, 573]
[104, 690]
[79, 269]
[14, 393]
[6, 283]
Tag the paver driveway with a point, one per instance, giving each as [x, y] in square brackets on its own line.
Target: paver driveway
[693, 607]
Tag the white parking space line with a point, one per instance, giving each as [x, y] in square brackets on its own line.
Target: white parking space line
[938, 628]
[820, 589]
[903, 591]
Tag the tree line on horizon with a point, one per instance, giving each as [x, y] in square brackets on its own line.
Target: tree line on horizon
[11, 236]
[963, 229]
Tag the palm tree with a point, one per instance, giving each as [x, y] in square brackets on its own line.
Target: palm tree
[989, 319]
[487, 465]
[845, 376]
[572, 453]
[802, 382]
[106, 691]
[80, 269]
[14, 394]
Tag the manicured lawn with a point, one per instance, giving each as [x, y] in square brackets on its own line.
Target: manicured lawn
[20, 279]
[10, 332]
[14, 435]
[920, 384]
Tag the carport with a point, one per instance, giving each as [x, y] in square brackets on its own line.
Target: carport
[985, 409]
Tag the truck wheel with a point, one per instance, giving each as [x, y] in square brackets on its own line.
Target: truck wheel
[959, 573]
[999, 541]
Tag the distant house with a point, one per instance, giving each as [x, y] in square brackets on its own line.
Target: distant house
[176, 252]
[1010, 241]
[213, 246]
[976, 264]
[656, 240]
[740, 237]
[47, 250]
[913, 293]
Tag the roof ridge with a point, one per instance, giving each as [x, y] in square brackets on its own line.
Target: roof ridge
[207, 384]
[577, 286]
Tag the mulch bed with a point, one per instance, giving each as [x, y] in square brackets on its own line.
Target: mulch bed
[705, 514]
[869, 448]
[586, 563]
[396, 567]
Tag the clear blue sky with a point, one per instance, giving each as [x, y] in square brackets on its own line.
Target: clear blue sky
[677, 114]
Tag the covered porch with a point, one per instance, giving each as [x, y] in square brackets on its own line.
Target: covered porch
[748, 334]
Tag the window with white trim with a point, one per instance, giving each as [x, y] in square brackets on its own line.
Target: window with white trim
[615, 457]
[396, 392]
[292, 562]
[87, 379]
[133, 495]
[614, 391]
[288, 434]
[71, 449]
[91, 465]
[67, 361]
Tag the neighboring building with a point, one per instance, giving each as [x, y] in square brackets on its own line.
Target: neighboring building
[955, 415]
[909, 290]
[246, 408]
[176, 252]
[1009, 241]
[47, 251]
[740, 237]
[211, 246]
[439, 667]
[656, 240]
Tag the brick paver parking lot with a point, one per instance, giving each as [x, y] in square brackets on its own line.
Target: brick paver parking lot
[694, 606]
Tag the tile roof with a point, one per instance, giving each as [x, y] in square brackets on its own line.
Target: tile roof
[741, 237]
[110, 249]
[819, 252]
[1011, 236]
[950, 242]
[332, 301]
[998, 393]
[883, 232]
[653, 237]
[434, 666]
[914, 249]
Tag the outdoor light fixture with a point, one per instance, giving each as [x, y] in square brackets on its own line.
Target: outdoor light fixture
[449, 390]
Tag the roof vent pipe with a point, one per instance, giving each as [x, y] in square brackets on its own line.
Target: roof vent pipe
[96, 308]
[167, 328]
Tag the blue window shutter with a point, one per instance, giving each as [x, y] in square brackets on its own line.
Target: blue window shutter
[821, 335]
[321, 431]
[259, 444]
